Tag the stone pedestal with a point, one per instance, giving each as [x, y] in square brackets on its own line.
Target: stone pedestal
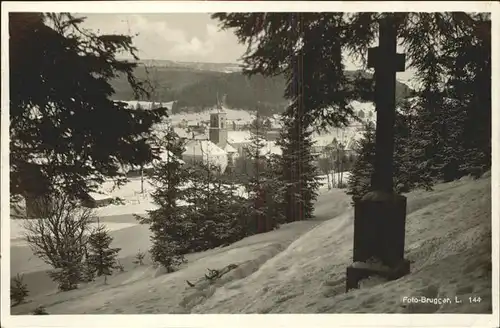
[379, 233]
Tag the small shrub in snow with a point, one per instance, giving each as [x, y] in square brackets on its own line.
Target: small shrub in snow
[68, 275]
[102, 257]
[40, 311]
[119, 266]
[139, 258]
[57, 232]
[18, 290]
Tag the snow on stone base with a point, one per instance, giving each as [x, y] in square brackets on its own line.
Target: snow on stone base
[372, 264]
[371, 282]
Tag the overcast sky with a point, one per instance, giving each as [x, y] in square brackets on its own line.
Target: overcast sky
[179, 37]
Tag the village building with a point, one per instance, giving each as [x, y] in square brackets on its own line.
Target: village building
[206, 152]
[215, 149]
[239, 140]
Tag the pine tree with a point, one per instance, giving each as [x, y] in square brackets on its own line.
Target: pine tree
[216, 211]
[170, 232]
[359, 181]
[468, 63]
[261, 203]
[102, 257]
[18, 290]
[201, 214]
[410, 169]
[275, 190]
[299, 174]
[139, 258]
[409, 158]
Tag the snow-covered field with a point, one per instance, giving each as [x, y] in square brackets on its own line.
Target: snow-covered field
[300, 268]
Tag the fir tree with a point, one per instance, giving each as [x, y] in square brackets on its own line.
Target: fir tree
[18, 290]
[299, 174]
[170, 232]
[359, 180]
[215, 211]
[409, 170]
[259, 185]
[139, 258]
[275, 190]
[102, 257]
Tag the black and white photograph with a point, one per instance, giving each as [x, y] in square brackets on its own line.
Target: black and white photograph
[223, 157]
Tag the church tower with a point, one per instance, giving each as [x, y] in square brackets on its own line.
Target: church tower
[218, 129]
[218, 125]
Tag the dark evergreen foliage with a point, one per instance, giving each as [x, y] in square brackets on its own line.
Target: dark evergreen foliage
[359, 181]
[217, 211]
[265, 207]
[68, 275]
[65, 130]
[102, 257]
[299, 174]
[89, 272]
[171, 233]
[18, 290]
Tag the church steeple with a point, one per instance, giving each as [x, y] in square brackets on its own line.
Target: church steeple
[218, 126]
[220, 102]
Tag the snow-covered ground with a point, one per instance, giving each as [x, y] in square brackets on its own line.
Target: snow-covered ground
[300, 268]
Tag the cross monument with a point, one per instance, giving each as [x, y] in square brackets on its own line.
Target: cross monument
[379, 217]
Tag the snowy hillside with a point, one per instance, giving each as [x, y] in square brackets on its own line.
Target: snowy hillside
[300, 268]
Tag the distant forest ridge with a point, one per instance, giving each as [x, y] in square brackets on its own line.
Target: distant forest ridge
[194, 86]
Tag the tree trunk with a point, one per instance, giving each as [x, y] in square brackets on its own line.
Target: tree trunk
[142, 180]
[341, 170]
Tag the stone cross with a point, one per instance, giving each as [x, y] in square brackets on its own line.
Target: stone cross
[386, 62]
[379, 217]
